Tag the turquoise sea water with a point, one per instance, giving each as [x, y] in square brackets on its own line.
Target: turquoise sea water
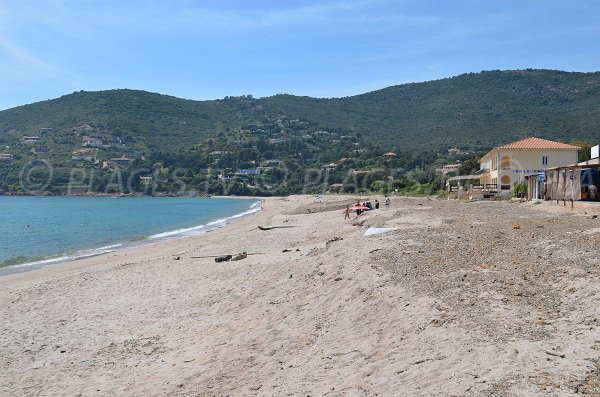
[37, 231]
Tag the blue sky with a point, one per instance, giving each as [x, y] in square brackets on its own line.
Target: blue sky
[329, 48]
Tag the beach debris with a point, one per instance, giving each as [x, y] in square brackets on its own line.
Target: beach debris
[333, 240]
[240, 256]
[516, 226]
[176, 258]
[555, 354]
[379, 230]
[223, 258]
[286, 250]
[275, 227]
[424, 360]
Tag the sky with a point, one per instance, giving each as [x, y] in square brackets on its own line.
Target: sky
[211, 49]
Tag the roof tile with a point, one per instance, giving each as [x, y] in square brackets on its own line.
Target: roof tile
[537, 143]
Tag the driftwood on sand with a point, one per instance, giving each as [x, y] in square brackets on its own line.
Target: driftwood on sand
[228, 257]
[239, 257]
[274, 227]
[224, 258]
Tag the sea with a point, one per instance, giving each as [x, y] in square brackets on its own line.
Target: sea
[41, 231]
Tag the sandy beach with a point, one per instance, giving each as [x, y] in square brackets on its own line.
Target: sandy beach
[461, 299]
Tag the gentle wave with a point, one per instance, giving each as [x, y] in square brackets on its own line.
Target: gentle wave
[40, 262]
[66, 258]
[197, 230]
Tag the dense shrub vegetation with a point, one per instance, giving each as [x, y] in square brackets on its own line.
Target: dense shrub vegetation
[201, 146]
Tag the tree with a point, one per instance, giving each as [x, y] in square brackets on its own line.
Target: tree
[470, 166]
[586, 150]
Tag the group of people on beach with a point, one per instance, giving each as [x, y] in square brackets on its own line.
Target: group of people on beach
[365, 206]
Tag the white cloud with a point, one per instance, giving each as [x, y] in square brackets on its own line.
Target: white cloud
[21, 56]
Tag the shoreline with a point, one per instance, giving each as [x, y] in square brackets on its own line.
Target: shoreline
[153, 249]
[174, 234]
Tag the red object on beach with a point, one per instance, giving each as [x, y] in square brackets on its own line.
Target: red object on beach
[359, 207]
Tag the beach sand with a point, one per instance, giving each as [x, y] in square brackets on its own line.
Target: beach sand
[463, 299]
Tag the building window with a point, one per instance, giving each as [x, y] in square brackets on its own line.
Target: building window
[544, 160]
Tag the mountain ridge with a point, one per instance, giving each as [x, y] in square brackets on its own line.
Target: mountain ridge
[211, 140]
[491, 104]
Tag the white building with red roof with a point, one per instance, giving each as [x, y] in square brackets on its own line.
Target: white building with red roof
[505, 165]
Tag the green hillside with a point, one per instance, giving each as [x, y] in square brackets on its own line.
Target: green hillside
[476, 109]
[473, 110]
[208, 142]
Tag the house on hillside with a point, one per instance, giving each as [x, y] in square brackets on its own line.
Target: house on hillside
[505, 165]
[117, 140]
[248, 172]
[272, 163]
[134, 155]
[120, 161]
[84, 155]
[90, 141]
[83, 129]
[455, 151]
[450, 168]
[30, 140]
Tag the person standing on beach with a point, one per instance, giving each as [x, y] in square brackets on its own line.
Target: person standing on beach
[347, 212]
[387, 202]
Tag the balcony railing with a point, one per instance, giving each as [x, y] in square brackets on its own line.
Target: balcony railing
[485, 188]
[491, 187]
